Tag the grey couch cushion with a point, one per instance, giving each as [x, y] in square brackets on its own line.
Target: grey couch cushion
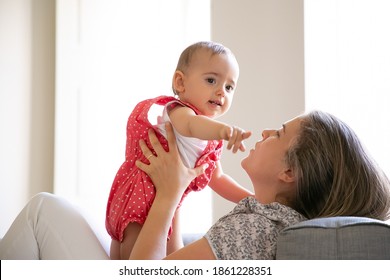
[335, 238]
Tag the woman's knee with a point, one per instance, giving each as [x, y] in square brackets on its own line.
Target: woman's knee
[42, 196]
[48, 204]
[42, 199]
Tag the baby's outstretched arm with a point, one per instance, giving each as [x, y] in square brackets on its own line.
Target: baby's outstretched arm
[188, 124]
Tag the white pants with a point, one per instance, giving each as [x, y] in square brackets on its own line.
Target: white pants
[50, 228]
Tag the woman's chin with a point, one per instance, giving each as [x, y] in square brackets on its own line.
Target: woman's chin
[243, 162]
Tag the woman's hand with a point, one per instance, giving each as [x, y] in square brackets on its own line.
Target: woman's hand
[167, 171]
[171, 178]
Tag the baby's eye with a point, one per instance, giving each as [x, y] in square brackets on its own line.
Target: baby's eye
[277, 133]
[210, 80]
[229, 88]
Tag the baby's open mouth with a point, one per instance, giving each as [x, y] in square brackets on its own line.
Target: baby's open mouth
[215, 102]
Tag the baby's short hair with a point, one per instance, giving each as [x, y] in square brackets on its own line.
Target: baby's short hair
[188, 53]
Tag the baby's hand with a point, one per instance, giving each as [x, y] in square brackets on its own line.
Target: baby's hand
[235, 138]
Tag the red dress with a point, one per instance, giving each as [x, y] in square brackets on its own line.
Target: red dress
[132, 192]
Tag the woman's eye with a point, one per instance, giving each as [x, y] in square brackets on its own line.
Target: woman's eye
[277, 133]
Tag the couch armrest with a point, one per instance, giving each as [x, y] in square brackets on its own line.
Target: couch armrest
[335, 238]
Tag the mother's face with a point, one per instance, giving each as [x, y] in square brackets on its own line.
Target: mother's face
[266, 162]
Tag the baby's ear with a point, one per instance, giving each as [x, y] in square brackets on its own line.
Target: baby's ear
[178, 82]
[287, 176]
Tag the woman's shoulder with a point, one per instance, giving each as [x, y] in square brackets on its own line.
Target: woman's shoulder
[249, 213]
[250, 230]
[273, 211]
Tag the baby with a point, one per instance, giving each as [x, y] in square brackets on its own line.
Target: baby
[203, 83]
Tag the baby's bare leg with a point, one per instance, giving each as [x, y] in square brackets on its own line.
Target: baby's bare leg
[130, 235]
[115, 250]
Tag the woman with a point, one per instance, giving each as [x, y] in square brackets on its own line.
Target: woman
[313, 166]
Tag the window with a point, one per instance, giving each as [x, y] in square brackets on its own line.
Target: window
[347, 67]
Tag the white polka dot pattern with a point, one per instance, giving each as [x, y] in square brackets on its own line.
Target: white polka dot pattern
[132, 192]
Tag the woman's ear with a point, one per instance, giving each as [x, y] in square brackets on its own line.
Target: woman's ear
[178, 82]
[287, 176]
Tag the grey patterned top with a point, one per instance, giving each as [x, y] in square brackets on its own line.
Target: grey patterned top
[250, 230]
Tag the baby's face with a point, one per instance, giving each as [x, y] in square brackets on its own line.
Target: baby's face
[209, 82]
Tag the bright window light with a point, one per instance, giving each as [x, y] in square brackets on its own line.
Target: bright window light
[347, 67]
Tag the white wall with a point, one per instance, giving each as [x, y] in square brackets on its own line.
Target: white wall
[267, 39]
[26, 103]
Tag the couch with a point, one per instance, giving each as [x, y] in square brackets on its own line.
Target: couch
[336, 238]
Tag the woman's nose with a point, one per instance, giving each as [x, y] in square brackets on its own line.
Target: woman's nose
[266, 133]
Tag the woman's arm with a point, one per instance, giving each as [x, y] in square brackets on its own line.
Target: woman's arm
[197, 250]
[170, 178]
[175, 242]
